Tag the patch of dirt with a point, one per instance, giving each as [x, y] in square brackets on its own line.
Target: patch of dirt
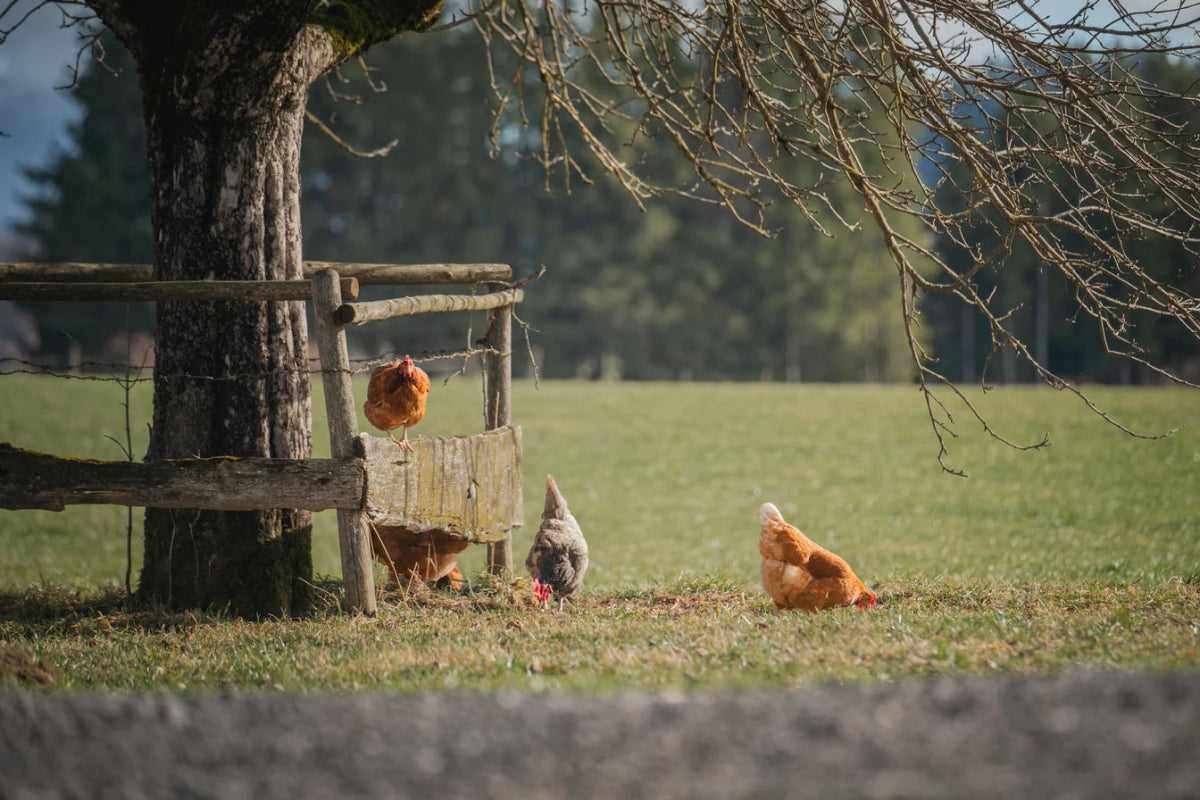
[19, 666]
[672, 604]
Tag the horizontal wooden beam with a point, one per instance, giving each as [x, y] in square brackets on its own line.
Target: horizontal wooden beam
[414, 274]
[71, 272]
[40, 481]
[169, 290]
[374, 310]
[367, 274]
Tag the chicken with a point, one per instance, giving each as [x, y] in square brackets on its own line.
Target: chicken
[799, 573]
[428, 556]
[396, 398]
[559, 555]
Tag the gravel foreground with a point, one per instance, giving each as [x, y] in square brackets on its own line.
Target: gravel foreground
[1082, 735]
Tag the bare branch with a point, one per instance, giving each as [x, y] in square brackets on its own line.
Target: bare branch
[376, 153]
[1044, 128]
[462, 19]
[15, 13]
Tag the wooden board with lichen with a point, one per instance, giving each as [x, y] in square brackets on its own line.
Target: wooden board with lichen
[468, 486]
[29, 479]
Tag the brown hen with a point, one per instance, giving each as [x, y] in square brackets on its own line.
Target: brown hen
[558, 558]
[427, 556]
[799, 573]
[396, 398]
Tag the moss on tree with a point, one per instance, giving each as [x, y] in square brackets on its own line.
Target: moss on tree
[214, 561]
[357, 26]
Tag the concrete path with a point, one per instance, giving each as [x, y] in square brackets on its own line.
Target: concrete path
[1072, 736]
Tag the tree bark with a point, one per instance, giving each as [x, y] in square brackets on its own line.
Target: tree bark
[230, 378]
[224, 116]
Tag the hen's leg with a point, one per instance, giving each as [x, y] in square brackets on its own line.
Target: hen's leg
[451, 580]
[402, 442]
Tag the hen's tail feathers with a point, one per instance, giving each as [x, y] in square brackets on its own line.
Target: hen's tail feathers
[769, 514]
[556, 504]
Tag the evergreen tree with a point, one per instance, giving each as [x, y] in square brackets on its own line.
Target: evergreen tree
[91, 203]
[677, 290]
[1042, 308]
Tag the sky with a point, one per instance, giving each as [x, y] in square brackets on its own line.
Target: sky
[35, 115]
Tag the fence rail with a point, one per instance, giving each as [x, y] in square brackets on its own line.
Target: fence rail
[29, 479]
[365, 274]
[168, 290]
[467, 486]
[376, 310]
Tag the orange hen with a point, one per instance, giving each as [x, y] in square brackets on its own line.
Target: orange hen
[426, 556]
[396, 398]
[799, 573]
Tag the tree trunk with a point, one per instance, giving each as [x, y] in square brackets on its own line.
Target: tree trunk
[224, 91]
[231, 378]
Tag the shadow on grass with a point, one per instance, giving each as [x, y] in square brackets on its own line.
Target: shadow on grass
[108, 607]
[56, 609]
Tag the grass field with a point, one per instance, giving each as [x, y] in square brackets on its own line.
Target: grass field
[1084, 553]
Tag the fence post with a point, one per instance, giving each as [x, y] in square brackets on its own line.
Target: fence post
[357, 567]
[497, 405]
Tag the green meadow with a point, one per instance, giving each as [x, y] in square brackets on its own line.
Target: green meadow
[1084, 553]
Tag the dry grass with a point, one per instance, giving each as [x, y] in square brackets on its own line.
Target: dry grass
[695, 633]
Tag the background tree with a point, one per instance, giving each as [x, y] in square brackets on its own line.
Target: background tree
[1045, 312]
[90, 204]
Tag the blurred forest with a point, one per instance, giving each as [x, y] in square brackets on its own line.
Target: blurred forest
[675, 291]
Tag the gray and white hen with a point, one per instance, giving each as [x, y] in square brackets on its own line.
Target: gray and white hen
[559, 555]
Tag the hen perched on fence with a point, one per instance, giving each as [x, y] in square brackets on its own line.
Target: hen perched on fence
[396, 398]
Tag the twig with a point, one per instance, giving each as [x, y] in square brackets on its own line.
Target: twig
[525, 328]
[378, 152]
[464, 19]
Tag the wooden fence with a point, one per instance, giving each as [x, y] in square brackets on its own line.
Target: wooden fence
[468, 486]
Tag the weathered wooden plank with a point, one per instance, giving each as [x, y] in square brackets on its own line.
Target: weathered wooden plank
[168, 290]
[358, 574]
[375, 310]
[468, 486]
[373, 274]
[33, 480]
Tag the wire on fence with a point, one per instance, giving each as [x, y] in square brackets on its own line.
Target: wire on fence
[116, 371]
